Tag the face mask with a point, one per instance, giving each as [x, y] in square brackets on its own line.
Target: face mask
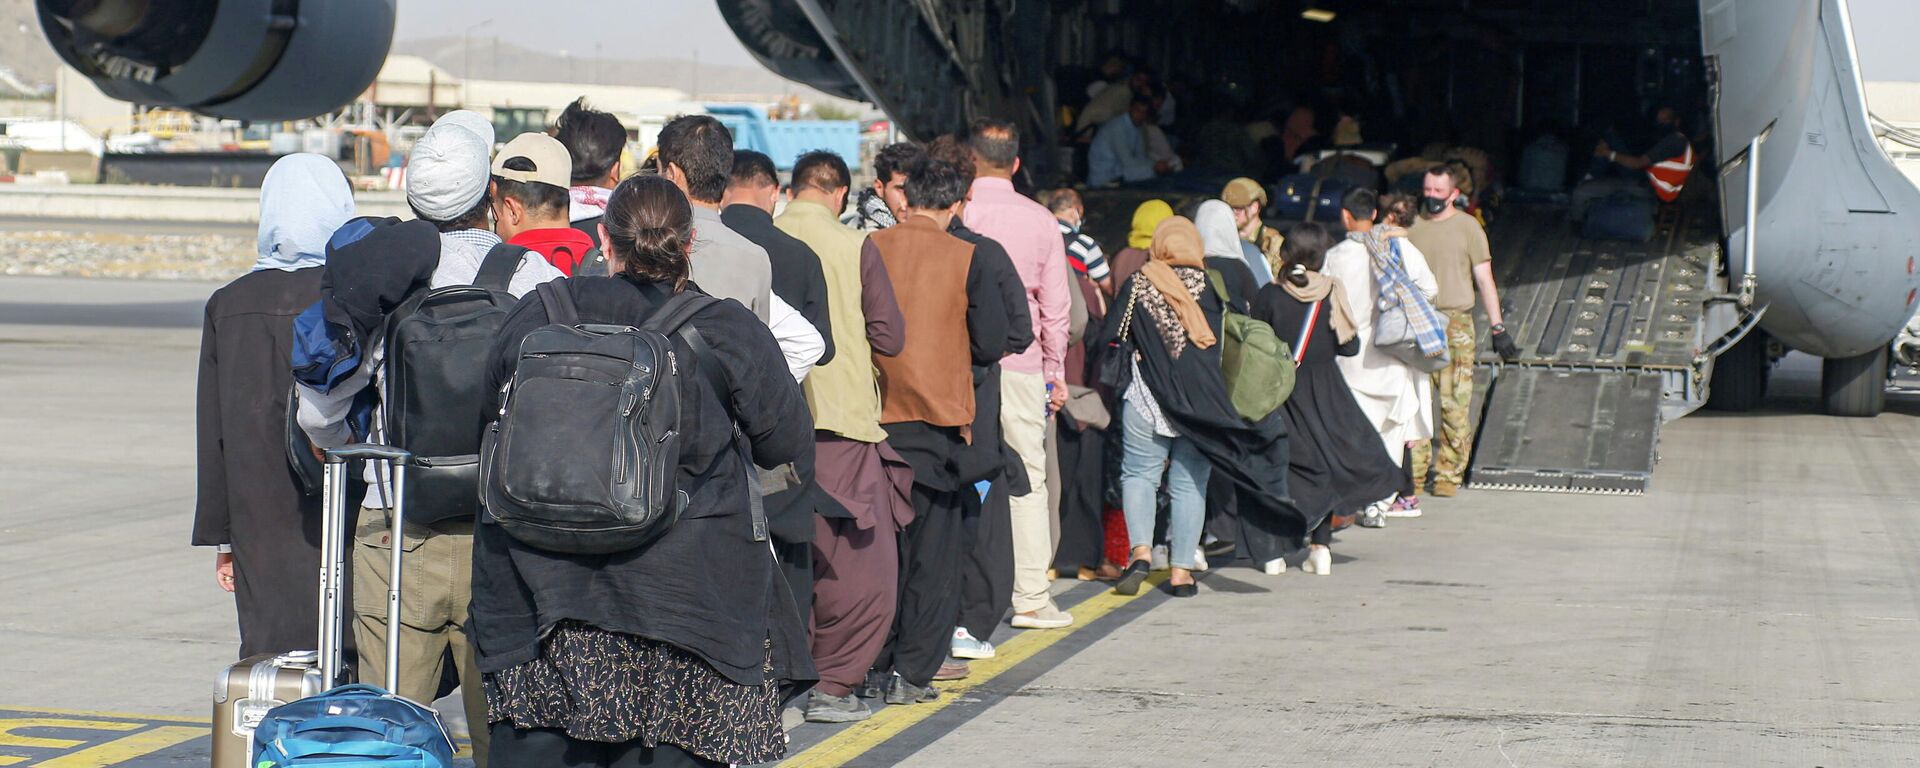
[1433, 206]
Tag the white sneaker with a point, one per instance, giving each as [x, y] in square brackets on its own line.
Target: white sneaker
[1319, 561]
[1160, 557]
[1199, 559]
[1401, 507]
[1048, 617]
[966, 646]
[1371, 518]
[1275, 567]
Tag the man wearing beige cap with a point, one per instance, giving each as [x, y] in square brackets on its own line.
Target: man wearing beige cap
[1248, 200]
[531, 175]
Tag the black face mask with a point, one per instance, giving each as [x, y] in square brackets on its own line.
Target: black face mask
[1433, 206]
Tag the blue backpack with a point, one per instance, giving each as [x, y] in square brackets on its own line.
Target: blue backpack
[352, 726]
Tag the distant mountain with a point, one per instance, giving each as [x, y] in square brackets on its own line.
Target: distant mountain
[493, 59]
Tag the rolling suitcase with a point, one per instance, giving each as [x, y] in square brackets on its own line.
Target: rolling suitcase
[252, 686]
[354, 726]
[1543, 165]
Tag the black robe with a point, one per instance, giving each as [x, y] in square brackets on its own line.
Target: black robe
[1336, 464]
[247, 494]
[1193, 395]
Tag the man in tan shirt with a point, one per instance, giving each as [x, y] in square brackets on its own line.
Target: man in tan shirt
[1456, 249]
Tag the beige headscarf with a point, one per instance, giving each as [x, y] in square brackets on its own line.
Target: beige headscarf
[1176, 243]
[1318, 288]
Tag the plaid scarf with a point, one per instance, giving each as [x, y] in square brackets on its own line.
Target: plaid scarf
[1398, 294]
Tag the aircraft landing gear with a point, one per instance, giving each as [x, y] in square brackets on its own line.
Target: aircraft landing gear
[1855, 386]
[1740, 375]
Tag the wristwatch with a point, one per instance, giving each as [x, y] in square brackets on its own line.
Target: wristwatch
[1498, 328]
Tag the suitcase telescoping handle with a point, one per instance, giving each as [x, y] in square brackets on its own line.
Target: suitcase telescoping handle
[348, 453]
[333, 552]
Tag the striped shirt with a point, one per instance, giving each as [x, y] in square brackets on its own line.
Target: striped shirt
[1084, 254]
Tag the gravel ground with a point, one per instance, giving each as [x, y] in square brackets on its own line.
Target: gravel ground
[124, 255]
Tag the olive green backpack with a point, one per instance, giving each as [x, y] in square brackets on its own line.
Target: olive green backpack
[1257, 365]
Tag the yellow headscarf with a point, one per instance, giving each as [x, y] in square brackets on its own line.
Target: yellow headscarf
[1145, 219]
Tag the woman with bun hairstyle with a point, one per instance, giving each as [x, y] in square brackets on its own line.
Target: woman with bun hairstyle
[672, 653]
[1336, 463]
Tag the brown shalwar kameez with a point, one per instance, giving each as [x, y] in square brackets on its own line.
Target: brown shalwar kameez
[856, 562]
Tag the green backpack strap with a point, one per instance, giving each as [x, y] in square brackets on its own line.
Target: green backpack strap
[1220, 289]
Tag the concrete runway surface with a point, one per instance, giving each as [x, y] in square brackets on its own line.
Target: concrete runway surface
[1760, 608]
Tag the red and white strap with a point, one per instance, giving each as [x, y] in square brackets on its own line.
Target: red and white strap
[1306, 333]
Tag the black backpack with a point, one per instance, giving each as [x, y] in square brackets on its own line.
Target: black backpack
[586, 454]
[436, 385]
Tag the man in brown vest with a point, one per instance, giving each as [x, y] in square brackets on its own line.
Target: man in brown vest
[927, 410]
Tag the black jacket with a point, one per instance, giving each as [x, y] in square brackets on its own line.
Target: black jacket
[705, 585]
[797, 277]
[988, 456]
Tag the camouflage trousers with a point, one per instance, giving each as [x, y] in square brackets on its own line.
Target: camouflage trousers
[1453, 398]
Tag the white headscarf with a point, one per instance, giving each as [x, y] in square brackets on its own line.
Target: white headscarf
[1218, 234]
[303, 200]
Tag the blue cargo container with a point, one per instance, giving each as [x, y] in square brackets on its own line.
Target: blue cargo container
[786, 140]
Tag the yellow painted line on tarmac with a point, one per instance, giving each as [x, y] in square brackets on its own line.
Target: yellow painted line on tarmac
[4, 708]
[891, 721]
[121, 750]
[8, 726]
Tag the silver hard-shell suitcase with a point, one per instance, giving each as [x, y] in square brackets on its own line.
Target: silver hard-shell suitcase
[251, 686]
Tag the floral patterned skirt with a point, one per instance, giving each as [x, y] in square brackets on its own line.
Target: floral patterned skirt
[609, 687]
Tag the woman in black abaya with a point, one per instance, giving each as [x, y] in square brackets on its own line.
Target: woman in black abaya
[1335, 461]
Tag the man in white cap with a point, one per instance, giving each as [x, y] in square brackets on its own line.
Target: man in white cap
[447, 186]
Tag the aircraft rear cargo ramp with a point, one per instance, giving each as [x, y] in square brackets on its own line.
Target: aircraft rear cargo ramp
[1610, 335]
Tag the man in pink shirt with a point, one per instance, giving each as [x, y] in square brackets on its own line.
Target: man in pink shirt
[1032, 383]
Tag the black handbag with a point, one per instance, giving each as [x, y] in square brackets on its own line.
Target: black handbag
[1114, 370]
[306, 468]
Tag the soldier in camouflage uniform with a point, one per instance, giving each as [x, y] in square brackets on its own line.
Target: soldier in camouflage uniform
[1248, 200]
[1453, 398]
[1456, 248]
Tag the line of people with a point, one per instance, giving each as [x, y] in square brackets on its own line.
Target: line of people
[969, 373]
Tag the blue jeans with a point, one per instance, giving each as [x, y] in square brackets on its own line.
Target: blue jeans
[1142, 463]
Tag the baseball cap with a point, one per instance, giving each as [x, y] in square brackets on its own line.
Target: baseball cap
[552, 165]
[1242, 192]
[447, 171]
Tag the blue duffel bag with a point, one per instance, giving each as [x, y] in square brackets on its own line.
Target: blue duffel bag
[1621, 217]
[352, 726]
[1306, 197]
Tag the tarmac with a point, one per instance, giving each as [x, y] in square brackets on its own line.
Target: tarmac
[1761, 607]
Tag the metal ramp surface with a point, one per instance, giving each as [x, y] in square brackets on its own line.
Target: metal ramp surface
[1600, 304]
[1608, 332]
[1569, 432]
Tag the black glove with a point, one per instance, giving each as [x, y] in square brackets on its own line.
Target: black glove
[1503, 343]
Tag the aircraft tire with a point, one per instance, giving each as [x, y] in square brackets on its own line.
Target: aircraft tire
[1855, 386]
[1740, 375]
